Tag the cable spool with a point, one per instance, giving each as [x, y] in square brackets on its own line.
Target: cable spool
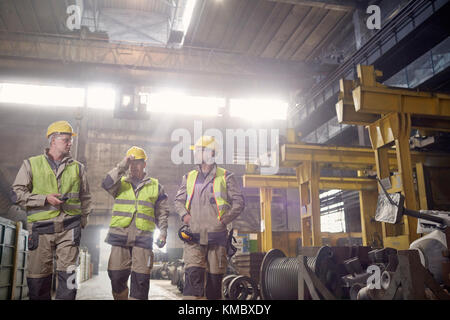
[279, 274]
[225, 283]
[326, 270]
[243, 288]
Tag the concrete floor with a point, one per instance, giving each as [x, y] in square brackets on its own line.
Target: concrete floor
[99, 288]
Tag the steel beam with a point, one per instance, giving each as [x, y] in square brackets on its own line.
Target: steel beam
[325, 183]
[308, 176]
[345, 108]
[347, 5]
[266, 218]
[346, 112]
[370, 229]
[351, 157]
[396, 128]
[421, 186]
[372, 97]
[72, 50]
[344, 157]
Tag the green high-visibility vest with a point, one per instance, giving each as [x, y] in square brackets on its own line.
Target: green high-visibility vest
[219, 190]
[126, 205]
[44, 183]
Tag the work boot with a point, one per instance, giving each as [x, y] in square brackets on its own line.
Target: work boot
[121, 296]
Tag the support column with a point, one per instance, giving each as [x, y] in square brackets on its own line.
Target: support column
[405, 170]
[308, 175]
[395, 128]
[421, 186]
[371, 230]
[266, 218]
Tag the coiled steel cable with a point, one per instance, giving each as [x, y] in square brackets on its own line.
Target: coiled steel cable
[279, 274]
[282, 279]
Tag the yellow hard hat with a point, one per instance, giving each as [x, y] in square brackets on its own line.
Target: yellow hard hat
[137, 152]
[206, 142]
[60, 127]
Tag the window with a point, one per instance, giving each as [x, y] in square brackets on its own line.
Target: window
[178, 103]
[101, 98]
[258, 109]
[333, 222]
[41, 95]
[332, 215]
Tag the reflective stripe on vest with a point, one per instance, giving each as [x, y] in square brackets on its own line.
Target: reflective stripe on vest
[219, 190]
[44, 182]
[126, 204]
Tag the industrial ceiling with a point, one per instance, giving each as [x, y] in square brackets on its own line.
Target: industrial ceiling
[228, 44]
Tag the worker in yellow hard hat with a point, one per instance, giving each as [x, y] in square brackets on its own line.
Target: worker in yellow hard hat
[60, 127]
[140, 205]
[208, 200]
[205, 150]
[54, 191]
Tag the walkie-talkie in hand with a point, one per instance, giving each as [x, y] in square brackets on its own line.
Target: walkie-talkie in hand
[160, 243]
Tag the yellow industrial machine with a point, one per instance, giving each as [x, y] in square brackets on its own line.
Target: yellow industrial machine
[267, 182]
[390, 114]
[307, 160]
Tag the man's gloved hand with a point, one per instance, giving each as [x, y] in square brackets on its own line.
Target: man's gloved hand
[125, 163]
[161, 242]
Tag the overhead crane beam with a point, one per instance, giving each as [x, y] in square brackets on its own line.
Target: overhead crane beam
[325, 183]
[373, 97]
[349, 157]
[439, 106]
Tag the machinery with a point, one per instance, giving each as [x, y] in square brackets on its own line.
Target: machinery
[241, 283]
[363, 273]
[423, 271]
[239, 287]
